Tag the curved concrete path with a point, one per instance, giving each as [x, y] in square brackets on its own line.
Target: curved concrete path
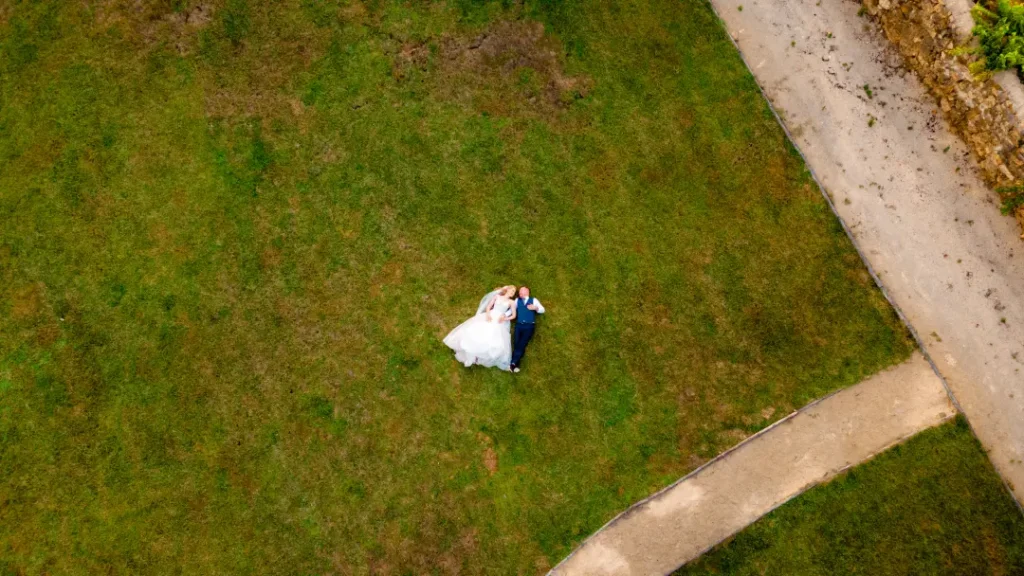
[904, 186]
[678, 524]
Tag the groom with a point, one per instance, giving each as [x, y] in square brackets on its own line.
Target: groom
[527, 309]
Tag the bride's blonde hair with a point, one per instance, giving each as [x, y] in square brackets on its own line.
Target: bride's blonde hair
[511, 287]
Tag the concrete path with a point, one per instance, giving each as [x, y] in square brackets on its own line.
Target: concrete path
[678, 524]
[948, 260]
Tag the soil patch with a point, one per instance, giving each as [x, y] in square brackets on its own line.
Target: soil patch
[511, 65]
[156, 23]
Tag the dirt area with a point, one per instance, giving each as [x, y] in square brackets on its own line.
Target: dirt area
[903, 184]
[156, 22]
[508, 48]
[680, 523]
[516, 55]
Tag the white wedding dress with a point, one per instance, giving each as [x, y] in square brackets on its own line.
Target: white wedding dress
[484, 339]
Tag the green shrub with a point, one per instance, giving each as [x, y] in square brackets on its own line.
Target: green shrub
[999, 27]
[1012, 197]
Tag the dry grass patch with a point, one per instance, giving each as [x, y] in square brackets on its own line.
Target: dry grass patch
[516, 57]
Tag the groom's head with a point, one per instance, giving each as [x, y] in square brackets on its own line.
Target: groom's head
[524, 292]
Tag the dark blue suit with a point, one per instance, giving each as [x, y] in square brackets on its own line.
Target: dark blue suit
[526, 322]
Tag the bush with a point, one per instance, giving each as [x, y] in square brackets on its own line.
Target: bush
[999, 27]
[1012, 198]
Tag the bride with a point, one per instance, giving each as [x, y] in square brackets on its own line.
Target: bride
[485, 338]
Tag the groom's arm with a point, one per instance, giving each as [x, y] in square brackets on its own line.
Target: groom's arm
[537, 306]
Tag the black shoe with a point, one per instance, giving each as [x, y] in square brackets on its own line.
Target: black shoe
[513, 368]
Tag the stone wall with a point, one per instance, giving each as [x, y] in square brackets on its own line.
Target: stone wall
[980, 111]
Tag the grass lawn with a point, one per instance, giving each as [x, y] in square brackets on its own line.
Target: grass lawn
[931, 506]
[232, 236]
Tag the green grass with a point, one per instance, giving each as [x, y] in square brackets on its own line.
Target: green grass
[233, 235]
[931, 506]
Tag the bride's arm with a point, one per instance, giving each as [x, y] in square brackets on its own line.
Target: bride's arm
[489, 307]
[515, 313]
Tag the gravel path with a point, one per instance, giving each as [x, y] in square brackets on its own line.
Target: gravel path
[679, 523]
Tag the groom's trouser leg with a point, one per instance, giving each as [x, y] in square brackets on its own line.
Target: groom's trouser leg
[523, 334]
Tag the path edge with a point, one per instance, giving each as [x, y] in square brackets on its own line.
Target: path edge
[833, 476]
[634, 506]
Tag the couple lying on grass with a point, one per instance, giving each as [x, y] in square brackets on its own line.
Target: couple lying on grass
[485, 339]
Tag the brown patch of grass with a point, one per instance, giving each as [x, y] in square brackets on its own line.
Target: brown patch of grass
[197, 17]
[687, 119]
[163, 241]
[468, 541]
[270, 258]
[265, 67]
[412, 55]
[27, 302]
[514, 55]
[41, 154]
[465, 547]
[354, 12]
[735, 435]
[861, 276]
[47, 334]
[257, 102]
[489, 457]
[158, 22]
[993, 551]
[694, 461]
